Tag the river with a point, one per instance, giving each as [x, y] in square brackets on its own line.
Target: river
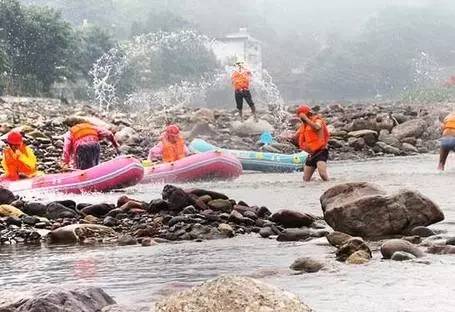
[141, 275]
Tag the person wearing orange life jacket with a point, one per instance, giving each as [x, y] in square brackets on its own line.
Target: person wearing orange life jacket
[313, 138]
[81, 145]
[447, 140]
[241, 78]
[19, 160]
[171, 147]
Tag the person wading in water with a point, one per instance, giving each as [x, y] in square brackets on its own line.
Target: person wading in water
[241, 79]
[313, 138]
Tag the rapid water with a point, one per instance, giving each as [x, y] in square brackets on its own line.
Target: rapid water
[141, 275]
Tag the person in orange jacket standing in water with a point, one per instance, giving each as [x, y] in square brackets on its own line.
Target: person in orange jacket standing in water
[313, 138]
[171, 147]
[241, 79]
[18, 161]
[447, 140]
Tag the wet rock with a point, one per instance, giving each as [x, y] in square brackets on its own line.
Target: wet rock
[351, 246]
[125, 240]
[236, 217]
[266, 232]
[90, 219]
[337, 239]
[226, 230]
[158, 205]
[393, 245]
[56, 300]
[13, 221]
[232, 293]
[307, 265]
[411, 128]
[263, 212]
[413, 239]
[30, 220]
[10, 211]
[359, 257]
[319, 233]
[408, 148]
[176, 197]
[35, 209]
[220, 205]
[365, 210]
[189, 210]
[202, 192]
[292, 219]
[421, 231]
[441, 250]
[450, 241]
[293, 235]
[6, 196]
[58, 211]
[205, 198]
[97, 210]
[78, 232]
[147, 241]
[71, 204]
[388, 149]
[402, 256]
[110, 221]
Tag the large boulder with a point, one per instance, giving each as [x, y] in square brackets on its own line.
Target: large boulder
[250, 127]
[232, 294]
[57, 300]
[387, 138]
[127, 136]
[411, 128]
[363, 209]
[369, 136]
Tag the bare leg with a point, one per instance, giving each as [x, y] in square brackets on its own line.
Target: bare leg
[253, 110]
[443, 153]
[308, 173]
[241, 115]
[322, 170]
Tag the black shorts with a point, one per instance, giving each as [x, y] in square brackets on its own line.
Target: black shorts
[243, 94]
[312, 160]
[87, 156]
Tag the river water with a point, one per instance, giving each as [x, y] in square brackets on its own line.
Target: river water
[141, 275]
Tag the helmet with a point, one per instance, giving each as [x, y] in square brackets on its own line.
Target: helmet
[172, 130]
[303, 109]
[14, 138]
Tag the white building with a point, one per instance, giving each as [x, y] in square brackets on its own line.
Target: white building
[240, 46]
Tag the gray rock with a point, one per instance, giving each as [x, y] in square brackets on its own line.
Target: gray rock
[421, 231]
[232, 294]
[409, 148]
[388, 149]
[250, 127]
[337, 239]
[306, 264]
[411, 128]
[266, 232]
[220, 205]
[387, 138]
[58, 211]
[126, 239]
[289, 235]
[393, 245]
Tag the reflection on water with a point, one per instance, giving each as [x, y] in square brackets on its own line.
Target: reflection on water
[143, 274]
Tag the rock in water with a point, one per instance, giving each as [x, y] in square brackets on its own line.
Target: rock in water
[58, 300]
[232, 294]
[292, 219]
[57, 211]
[352, 246]
[337, 239]
[250, 127]
[6, 196]
[362, 209]
[10, 211]
[291, 235]
[78, 232]
[177, 198]
[393, 245]
[359, 257]
[306, 264]
[402, 256]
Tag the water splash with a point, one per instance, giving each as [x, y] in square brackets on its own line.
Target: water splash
[426, 71]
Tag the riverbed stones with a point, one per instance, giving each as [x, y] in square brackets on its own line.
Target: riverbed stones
[97, 210]
[292, 219]
[78, 232]
[337, 239]
[232, 293]
[176, 197]
[58, 211]
[441, 249]
[226, 230]
[6, 196]
[411, 128]
[87, 299]
[359, 257]
[125, 240]
[351, 246]
[402, 256]
[421, 231]
[365, 210]
[292, 234]
[223, 205]
[391, 246]
[35, 209]
[306, 264]
[10, 211]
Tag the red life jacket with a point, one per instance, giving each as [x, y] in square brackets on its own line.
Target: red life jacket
[311, 140]
[173, 151]
[241, 80]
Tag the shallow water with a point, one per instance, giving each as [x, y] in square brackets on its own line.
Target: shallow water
[144, 274]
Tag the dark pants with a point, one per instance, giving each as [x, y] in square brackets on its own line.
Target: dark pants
[312, 160]
[88, 156]
[243, 94]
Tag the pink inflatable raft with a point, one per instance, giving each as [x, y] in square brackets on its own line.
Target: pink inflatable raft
[120, 172]
[205, 166]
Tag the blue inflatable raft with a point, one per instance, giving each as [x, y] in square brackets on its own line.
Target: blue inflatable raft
[257, 161]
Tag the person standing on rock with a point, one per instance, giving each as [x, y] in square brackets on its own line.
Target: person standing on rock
[447, 140]
[171, 147]
[19, 160]
[81, 144]
[241, 78]
[313, 138]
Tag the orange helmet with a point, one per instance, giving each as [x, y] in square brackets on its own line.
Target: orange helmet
[14, 138]
[172, 130]
[303, 109]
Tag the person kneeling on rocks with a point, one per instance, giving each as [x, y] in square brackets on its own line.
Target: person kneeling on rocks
[19, 160]
[82, 145]
[171, 147]
[313, 138]
[447, 140]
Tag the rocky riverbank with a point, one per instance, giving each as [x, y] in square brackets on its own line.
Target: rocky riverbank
[358, 130]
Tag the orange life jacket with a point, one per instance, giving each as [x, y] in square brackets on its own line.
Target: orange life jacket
[173, 151]
[83, 130]
[241, 80]
[449, 122]
[311, 140]
[19, 162]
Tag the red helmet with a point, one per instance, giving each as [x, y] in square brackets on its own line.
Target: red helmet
[172, 130]
[303, 109]
[14, 138]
